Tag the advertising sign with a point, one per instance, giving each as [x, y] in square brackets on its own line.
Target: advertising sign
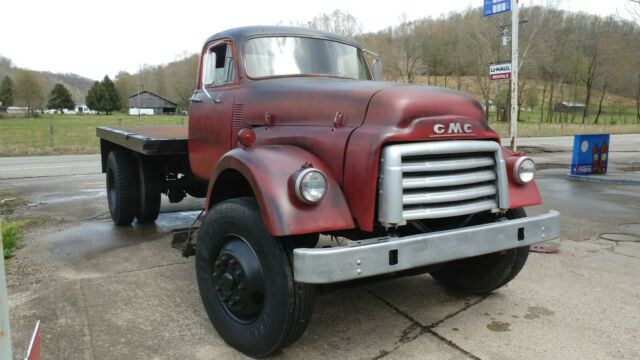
[492, 7]
[500, 71]
[590, 154]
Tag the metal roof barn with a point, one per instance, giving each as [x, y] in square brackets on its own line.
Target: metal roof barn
[148, 103]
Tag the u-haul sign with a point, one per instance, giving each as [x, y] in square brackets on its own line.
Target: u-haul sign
[500, 71]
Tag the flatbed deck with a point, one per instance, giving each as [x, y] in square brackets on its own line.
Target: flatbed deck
[148, 140]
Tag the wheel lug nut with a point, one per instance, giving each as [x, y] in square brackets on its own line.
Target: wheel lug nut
[232, 261]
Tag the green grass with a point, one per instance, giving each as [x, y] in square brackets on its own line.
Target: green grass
[75, 134]
[529, 129]
[11, 234]
[72, 134]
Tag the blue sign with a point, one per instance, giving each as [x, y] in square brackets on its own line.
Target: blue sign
[492, 7]
[590, 154]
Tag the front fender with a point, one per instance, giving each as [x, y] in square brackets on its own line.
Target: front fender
[268, 170]
[520, 195]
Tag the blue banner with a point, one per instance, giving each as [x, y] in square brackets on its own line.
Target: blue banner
[590, 154]
[492, 7]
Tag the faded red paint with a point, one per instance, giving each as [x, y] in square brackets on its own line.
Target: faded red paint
[339, 125]
[269, 170]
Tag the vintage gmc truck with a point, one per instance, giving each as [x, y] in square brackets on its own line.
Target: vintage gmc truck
[289, 137]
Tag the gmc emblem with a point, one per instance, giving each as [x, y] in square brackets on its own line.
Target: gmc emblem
[454, 128]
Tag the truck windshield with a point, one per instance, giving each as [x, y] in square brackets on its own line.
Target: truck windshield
[290, 55]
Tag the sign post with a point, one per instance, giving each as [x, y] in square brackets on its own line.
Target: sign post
[500, 71]
[493, 7]
[514, 73]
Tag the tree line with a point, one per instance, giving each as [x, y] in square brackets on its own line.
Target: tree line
[26, 91]
[564, 56]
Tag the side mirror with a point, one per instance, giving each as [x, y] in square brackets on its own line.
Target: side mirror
[376, 64]
[377, 69]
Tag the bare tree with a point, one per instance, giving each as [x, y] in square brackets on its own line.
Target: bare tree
[338, 22]
[409, 54]
[28, 91]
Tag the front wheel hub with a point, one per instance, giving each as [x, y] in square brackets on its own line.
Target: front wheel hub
[238, 279]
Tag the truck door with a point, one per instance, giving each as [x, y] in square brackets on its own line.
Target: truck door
[211, 110]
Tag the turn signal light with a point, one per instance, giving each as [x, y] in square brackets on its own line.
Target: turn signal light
[246, 137]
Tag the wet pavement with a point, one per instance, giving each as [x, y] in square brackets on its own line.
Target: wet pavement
[105, 292]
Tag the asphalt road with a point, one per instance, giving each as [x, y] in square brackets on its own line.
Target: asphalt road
[104, 292]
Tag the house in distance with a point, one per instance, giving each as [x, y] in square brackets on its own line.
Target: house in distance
[148, 103]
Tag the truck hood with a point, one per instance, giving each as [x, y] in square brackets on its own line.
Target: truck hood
[309, 101]
[403, 107]
[315, 101]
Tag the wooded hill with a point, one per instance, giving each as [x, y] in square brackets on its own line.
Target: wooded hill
[77, 85]
[565, 56]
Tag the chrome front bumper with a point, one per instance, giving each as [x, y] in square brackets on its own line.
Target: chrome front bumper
[387, 255]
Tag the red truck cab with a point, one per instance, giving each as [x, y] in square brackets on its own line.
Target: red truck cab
[290, 137]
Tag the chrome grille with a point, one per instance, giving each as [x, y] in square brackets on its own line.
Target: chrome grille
[440, 179]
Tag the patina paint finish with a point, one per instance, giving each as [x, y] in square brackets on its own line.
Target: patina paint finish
[269, 170]
[295, 122]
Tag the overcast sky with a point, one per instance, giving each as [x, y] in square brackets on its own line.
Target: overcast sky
[92, 38]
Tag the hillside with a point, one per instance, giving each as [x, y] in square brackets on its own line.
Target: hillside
[77, 85]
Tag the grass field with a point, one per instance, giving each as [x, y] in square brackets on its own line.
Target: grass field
[75, 134]
[72, 134]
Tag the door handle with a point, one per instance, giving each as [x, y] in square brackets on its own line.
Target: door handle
[194, 99]
[216, 100]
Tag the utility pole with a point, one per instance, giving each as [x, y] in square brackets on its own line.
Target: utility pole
[514, 73]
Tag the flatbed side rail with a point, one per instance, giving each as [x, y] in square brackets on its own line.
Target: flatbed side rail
[151, 140]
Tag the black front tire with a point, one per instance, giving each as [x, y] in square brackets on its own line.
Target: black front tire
[275, 313]
[122, 194]
[482, 274]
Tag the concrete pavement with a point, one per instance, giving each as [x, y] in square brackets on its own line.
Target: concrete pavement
[104, 292]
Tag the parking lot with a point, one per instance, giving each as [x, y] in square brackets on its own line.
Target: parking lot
[104, 292]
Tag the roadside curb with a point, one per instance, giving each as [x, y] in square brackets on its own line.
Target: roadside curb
[603, 180]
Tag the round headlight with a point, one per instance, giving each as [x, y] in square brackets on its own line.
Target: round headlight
[311, 186]
[524, 170]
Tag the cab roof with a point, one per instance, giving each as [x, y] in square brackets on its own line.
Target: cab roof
[241, 34]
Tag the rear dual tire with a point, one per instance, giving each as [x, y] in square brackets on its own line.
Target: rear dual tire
[133, 188]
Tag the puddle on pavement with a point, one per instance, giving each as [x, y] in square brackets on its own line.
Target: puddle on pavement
[498, 326]
[550, 166]
[66, 199]
[620, 237]
[541, 311]
[630, 229]
[88, 240]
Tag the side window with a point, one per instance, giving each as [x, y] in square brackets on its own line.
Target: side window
[219, 66]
